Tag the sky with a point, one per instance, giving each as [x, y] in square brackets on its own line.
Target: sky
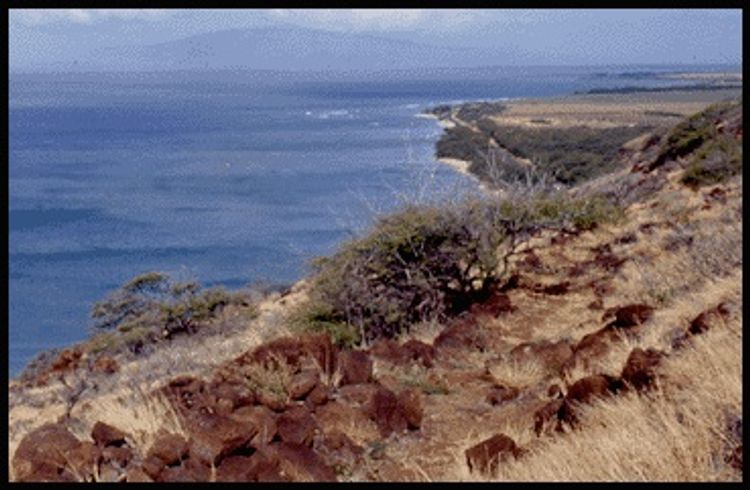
[551, 37]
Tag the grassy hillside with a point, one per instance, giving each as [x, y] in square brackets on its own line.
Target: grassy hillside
[590, 333]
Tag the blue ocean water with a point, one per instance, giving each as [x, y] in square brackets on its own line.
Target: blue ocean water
[225, 179]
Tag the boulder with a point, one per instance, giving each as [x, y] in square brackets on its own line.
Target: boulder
[302, 464]
[168, 448]
[342, 417]
[135, 474]
[296, 426]
[105, 365]
[294, 350]
[386, 411]
[318, 396]
[629, 315]
[105, 435]
[412, 406]
[497, 304]
[121, 456]
[303, 383]
[486, 456]
[339, 451]
[188, 395]
[703, 322]
[640, 369]
[546, 417]
[554, 391]
[417, 351]
[500, 394]
[388, 350]
[260, 417]
[68, 360]
[464, 333]
[355, 367]
[213, 436]
[238, 393]
[153, 466]
[41, 454]
[585, 390]
[236, 469]
[275, 401]
[358, 394]
[191, 470]
[552, 355]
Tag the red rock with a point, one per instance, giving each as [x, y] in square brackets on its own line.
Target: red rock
[68, 359]
[703, 322]
[359, 394]
[318, 396]
[119, 455]
[236, 469]
[417, 351]
[412, 406]
[546, 417]
[339, 451]
[302, 464]
[494, 306]
[462, 334]
[554, 289]
[137, 475]
[552, 355]
[501, 394]
[640, 368]
[629, 315]
[237, 392]
[384, 409]
[388, 350]
[485, 456]
[585, 390]
[303, 383]
[189, 471]
[84, 459]
[294, 350]
[554, 391]
[188, 395]
[105, 365]
[41, 454]
[275, 401]
[168, 448]
[105, 435]
[355, 367]
[296, 426]
[153, 467]
[260, 417]
[212, 437]
[337, 415]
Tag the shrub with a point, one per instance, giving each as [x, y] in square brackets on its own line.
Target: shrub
[152, 306]
[713, 163]
[427, 263]
[415, 265]
[320, 317]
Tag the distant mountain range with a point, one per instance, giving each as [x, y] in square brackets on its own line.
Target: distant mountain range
[287, 48]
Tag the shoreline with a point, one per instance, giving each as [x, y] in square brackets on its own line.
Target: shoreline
[594, 111]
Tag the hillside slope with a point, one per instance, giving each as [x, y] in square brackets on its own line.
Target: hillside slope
[606, 352]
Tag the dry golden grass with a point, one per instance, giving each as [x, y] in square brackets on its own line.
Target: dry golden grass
[609, 110]
[676, 435]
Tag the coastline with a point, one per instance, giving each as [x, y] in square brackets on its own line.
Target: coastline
[588, 112]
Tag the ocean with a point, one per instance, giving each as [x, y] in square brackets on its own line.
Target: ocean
[227, 179]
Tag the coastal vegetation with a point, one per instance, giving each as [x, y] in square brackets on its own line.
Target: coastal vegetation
[539, 333]
[428, 263]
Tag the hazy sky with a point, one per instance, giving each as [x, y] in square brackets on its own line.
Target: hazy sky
[538, 36]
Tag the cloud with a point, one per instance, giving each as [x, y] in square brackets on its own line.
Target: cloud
[84, 16]
[373, 19]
